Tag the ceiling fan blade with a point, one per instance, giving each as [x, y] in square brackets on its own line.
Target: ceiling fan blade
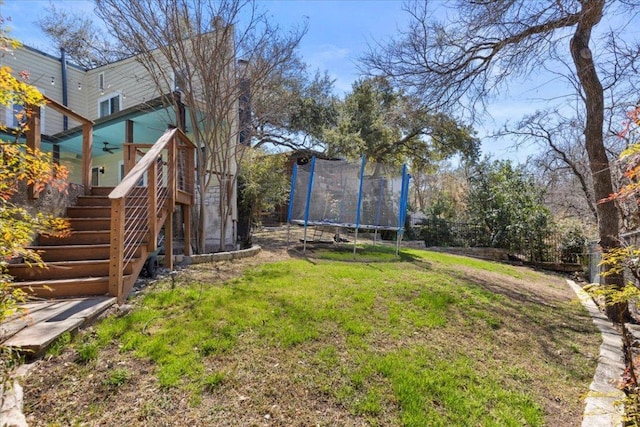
[108, 149]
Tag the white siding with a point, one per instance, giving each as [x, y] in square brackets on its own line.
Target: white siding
[127, 78]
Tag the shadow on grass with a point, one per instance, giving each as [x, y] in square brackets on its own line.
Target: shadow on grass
[557, 326]
[364, 254]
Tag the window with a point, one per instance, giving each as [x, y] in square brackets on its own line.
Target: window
[95, 173]
[16, 117]
[101, 81]
[18, 114]
[108, 105]
[180, 80]
[141, 183]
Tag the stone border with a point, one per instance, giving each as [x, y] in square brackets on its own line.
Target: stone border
[12, 401]
[219, 256]
[603, 401]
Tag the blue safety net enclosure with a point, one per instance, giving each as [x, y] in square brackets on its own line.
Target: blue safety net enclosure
[359, 196]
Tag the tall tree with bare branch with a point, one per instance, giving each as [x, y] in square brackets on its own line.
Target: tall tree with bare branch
[459, 65]
[84, 43]
[192, 46]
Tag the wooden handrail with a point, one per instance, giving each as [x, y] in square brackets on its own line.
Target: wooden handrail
[33, 136]
[137, 211]
[135, 175]
[67, 111]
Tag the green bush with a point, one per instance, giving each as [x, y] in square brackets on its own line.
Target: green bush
[572, 245]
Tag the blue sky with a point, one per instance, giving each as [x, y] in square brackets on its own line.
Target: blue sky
[339, 32]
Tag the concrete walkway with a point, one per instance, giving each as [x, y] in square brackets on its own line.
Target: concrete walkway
[603, 403]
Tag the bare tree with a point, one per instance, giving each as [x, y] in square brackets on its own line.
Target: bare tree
[440, 194]
[79, 36]
[561, 161]
[462, 64]
[192, 46]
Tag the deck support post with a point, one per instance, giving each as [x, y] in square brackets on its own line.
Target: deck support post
[33, 140]
[116, 249]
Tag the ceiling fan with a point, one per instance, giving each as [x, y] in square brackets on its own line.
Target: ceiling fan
[107, 148]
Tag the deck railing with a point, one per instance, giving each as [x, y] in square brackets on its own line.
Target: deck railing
[145, 200]
[33, 136]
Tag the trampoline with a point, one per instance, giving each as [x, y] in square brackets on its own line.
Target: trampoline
[342, 194]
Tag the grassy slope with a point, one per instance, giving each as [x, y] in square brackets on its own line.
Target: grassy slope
[428, 340]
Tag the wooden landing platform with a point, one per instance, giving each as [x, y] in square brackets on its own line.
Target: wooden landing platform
[44, 321]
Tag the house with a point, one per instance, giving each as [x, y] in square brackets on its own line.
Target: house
[98, 122]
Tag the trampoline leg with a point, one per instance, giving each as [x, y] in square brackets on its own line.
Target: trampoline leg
[355, 243]
[375, 236]
[304, 240]
[288, 235]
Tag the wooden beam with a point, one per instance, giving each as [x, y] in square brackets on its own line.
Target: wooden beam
[128, 131]
[66, 111]
[186, 219]
[87, 146]
[33, 139]
[168, 240]
[129, 152]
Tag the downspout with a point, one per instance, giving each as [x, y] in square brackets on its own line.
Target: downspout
[63, 66]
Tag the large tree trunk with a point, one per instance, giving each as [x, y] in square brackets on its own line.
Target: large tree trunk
[608, 218]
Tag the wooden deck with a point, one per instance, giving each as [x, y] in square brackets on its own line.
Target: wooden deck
[44, 321]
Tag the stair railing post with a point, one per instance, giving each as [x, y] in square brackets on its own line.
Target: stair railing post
[168, 241]
[171, 202]
[172, 171]
[129, 155]
[87, 146]
[116, 249]
[152, 205]
[191, 172]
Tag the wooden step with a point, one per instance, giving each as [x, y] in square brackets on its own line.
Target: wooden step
[65, 287]
[93, 201]
[89, 224]
[101, 191]
[76, 252]
[103, 211]
[72, 252]
[106, 202]
[89, 211]
[64, 270]
[85, 237]
[79, 263]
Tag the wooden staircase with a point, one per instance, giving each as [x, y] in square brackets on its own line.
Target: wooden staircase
[115, 229]
[78, 265]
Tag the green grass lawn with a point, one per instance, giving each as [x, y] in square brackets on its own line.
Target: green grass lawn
[426, 339]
